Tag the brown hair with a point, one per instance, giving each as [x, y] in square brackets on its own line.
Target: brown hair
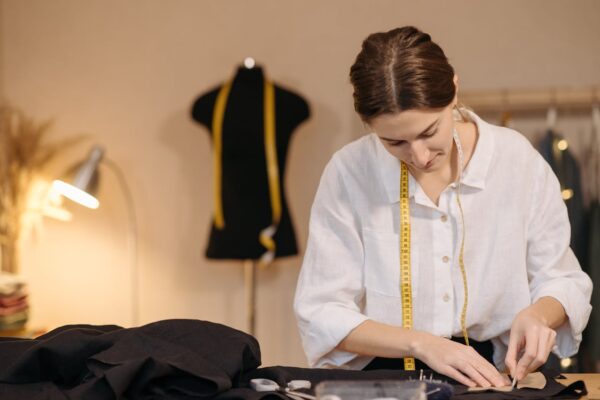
[400, 70]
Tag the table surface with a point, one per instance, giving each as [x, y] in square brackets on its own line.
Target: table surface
[592, 383]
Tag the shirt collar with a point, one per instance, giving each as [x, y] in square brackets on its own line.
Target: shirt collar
[474, 175]
[476, 172]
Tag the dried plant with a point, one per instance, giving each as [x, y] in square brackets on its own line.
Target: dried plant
[24, 152]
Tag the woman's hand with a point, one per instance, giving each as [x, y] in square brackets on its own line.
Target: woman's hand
[459, 362]
[531, 336]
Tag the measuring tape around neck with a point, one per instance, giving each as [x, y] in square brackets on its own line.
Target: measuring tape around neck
[461, 254]
[405, 278]
[405, 249]
[266, 234]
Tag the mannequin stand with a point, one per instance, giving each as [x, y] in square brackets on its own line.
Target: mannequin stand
[250, 288]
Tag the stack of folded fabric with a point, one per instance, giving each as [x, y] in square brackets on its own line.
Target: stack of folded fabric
[14, 308]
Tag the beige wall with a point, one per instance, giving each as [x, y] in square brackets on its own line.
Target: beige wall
[126, 73]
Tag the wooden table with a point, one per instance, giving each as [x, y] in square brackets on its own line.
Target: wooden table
[592, 383]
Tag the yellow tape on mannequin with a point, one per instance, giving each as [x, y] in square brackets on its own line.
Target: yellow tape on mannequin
[217, 129]
[266, 235]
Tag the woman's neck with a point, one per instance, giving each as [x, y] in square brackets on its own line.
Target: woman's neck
[435, 182]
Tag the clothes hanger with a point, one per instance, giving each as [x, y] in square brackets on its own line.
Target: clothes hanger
[596, 117]
[552, 114]
[551, 117]
[559, 145]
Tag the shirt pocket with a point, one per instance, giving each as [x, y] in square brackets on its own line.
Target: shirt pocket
[382, 263]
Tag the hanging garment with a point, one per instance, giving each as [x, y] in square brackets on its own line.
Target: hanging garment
[244, 205]
[591, 344]
[589, 356]
[566, 168]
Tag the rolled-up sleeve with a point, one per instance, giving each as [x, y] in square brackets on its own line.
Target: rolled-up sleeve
[553, 269]
[330, 287]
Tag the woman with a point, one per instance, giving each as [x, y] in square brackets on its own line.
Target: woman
[479, 235]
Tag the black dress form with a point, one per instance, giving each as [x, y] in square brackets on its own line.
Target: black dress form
[245, 187]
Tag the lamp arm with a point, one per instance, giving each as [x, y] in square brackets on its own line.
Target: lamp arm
[133, 239]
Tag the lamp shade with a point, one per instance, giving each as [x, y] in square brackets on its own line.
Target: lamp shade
[82, 189]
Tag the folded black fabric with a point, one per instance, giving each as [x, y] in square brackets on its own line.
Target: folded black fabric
[175, 359]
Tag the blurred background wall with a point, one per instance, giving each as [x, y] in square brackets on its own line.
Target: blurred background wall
[126, 74]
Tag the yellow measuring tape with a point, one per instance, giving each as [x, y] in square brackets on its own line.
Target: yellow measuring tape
[461, 262]
[405, 279]
[405, 248]
[266, 235]
[217, 130]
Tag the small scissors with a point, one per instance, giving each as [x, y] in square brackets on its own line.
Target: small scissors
[268, 385]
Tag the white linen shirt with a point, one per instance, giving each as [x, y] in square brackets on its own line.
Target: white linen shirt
[517, 250]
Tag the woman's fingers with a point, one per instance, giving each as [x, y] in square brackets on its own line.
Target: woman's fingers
[551, 341]
[478, 369]
[528, 356]
[530, 353]
[542, 351]
[539, 343]
[530, 333]
[457, 376]
[511, 355]
[471, 372]
[459, 362]
[489, 372]
[546, 343]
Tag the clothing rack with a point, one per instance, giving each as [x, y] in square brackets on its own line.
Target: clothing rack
[532, 101]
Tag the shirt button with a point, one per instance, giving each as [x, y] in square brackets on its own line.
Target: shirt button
[445, 259]
[444, 218]
[446, 297]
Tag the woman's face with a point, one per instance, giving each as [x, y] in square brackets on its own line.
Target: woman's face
[420, 138]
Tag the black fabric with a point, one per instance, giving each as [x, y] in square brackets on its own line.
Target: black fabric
[245, 187]
[175, 359]
[485, 349]
[282, 375]
[553, 390]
